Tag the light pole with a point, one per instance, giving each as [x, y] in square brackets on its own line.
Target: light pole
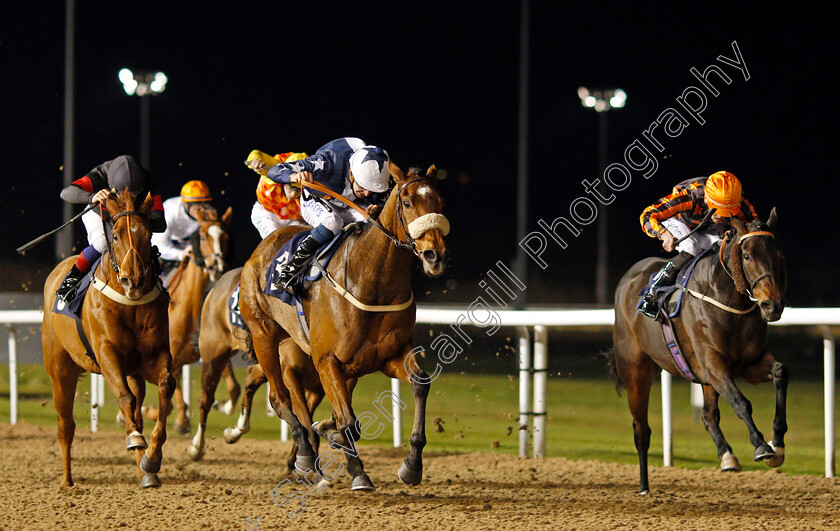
[602, 100]
[143, 84]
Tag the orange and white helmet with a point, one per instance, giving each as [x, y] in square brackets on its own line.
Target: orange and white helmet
[195, 191]
[723, 194]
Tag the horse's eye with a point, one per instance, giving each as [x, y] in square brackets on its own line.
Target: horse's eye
[746, 257]
[115, 236]
[406, 204]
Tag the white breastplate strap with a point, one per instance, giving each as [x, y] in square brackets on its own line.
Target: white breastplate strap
[362, 306]
[426, 222]
[116, 296]
[719, 304]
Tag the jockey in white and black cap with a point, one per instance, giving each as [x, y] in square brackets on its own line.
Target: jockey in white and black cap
[346, 166]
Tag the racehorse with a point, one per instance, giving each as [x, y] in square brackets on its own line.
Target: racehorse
[723, 332]
[187, 290]
[350, 338]
[219, 340]
[125, 321]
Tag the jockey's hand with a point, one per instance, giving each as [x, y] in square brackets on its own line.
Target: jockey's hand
[188, 252]
[668, 241]
[100, 196]
[372, 209]
[300, 177]
[256, 165]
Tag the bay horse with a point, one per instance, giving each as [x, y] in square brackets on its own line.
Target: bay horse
[186, 291]
[125, 321]
[347, 341]
[723, 336]
[219, 340]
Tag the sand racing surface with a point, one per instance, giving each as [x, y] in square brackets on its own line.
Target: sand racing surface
[468, 491]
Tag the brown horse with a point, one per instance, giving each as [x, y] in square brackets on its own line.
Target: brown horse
[187, 290]
[348, 342]
[721, 338]
[219, 341]
[126, 323]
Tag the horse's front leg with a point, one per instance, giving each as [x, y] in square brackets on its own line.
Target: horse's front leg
[158, 372]
[342, 432]
[254, 378]
[711, 420]
[765, 370]
[138, 387]
[233, 389]
[113, 370]
[406, 369]
[722, 380]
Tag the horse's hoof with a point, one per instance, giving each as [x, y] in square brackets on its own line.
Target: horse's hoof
[729, 463]
[195, 453]
[322, 483]
[644, 492]
[148, 466]
[409, 476]
[150, 480]
[135, 441]
[305, 463]
[776, 460]
[362, 482]
[183, 429]
[232, 435]
[763, 452]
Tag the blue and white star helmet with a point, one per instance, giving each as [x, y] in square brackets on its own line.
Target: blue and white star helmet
[370, 168]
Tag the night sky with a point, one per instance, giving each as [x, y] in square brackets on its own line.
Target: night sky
[436, 82]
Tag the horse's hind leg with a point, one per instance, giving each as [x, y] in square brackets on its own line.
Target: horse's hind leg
[406, 369]
[768, 368]
[254, 378]
[637, 375]
[233, 389]
[211, 372]
[723, 383]
[64, 375]
[182, 419]
[711, 420]
[151, 461]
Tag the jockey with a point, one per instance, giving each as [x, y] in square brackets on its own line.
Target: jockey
[277, 205]
[674, 217]
[113, 176]
[346, 166]
[174, 243]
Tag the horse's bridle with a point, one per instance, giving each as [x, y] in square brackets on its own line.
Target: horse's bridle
[752, 284]
[131, 247]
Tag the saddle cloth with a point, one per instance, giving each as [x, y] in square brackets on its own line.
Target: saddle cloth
[665, 294]
[323, 255]
[74, 307]
[233, 309]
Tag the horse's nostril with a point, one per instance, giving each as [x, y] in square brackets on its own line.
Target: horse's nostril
[430, 255]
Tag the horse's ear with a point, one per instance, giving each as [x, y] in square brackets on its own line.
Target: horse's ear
[114, 203]
[396, 173]
[739, 226]
[227, 216]
[148, 203]
[771, 221]
[431, 173]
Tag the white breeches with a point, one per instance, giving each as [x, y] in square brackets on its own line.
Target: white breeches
[694, 244]
[95, 231]
[267, 222]
[315, 214]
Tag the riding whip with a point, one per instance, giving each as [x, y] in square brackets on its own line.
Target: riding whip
[23, 248]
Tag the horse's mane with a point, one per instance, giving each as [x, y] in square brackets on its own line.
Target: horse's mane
[735, 256]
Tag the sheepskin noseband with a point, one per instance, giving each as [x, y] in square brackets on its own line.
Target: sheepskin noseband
[419, 226]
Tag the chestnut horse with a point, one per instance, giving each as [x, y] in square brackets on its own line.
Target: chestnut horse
[187, 290]
[347, 341]
[126, 323]
[722, 337]
[219, 341]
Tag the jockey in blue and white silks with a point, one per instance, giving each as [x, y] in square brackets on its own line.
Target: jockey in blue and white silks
[346, 166]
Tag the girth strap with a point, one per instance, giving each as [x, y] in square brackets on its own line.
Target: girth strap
[85, 343]
[674, 348]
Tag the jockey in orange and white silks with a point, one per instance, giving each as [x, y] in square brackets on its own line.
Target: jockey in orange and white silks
[278, 204]
[174, 244]
[717, 197]
[346, 166]
[113, 176]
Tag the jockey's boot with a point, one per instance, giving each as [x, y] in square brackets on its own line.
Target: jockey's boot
[292, 268]
[68, 286]
[665, 277]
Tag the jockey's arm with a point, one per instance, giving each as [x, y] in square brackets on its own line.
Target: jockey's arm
[309, 169]
[163, 240]
[669, 206]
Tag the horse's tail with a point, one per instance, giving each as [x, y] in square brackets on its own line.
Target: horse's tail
[610, 355]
